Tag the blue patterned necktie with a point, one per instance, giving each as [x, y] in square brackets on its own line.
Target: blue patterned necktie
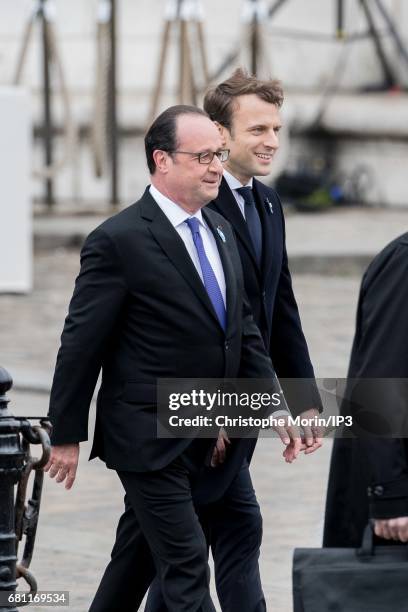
[210, 280]
[253, 221]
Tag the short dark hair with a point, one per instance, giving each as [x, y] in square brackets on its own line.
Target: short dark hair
[219, 100]
[162, 134]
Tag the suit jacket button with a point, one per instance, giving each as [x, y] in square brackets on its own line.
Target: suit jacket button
[264, 295]
[226, 346]
[378, 490]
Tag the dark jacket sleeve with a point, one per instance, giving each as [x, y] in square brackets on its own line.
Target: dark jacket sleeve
[99, 294]
[255, 362]
[388, 493]
[380, 353]
[288, 347]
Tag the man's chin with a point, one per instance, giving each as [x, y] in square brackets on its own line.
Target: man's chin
[263, 170]
[212, 191]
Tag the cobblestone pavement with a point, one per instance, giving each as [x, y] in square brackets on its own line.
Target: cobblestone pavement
[77, 528]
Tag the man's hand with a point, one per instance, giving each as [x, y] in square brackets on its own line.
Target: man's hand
[392, 529]
[220, 449]
[290, 436]
[312, 437]
[63, 463]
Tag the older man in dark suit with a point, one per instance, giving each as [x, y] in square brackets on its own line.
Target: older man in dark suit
[159, 295]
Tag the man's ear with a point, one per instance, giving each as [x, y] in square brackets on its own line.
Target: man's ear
[223, 131]
[161, 159]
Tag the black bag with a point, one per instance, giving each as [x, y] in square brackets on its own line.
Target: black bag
[367, 579]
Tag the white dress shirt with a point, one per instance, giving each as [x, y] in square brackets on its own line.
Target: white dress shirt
[234, 184]
[177, 217]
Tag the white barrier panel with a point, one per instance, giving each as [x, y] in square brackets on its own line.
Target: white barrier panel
[15, 207]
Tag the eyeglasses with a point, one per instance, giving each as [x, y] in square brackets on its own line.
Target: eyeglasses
[208, 156]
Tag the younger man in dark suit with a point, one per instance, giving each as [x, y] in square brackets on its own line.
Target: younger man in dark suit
[247, 112]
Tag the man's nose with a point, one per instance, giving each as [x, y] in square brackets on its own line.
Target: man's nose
[216, 165]
[272, 140]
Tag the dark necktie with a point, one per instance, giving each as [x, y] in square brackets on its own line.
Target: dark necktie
[253, 221]
[210, 280]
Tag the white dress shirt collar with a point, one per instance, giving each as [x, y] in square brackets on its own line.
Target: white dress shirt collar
[234, 183]
[173, 211]
[177, 217]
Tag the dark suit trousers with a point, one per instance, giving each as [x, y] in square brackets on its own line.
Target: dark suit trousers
[233, 527]
[163, 537]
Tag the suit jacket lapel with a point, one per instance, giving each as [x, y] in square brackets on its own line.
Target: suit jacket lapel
[265, 214]
[229, 272]
[171, 243]
[228, 208]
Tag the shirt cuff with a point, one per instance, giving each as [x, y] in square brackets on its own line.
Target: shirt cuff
[280, 413]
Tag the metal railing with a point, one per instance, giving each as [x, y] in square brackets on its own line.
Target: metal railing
[18, 519]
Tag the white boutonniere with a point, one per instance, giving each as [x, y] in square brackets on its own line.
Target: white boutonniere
[269, 205]
[221, 233]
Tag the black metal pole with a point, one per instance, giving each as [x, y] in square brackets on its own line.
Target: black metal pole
[340, 19]
[47, 126]
[393, 29]
[113, 124]
[11, 464]
[275, 6]
[255, 40]
[389, 77]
